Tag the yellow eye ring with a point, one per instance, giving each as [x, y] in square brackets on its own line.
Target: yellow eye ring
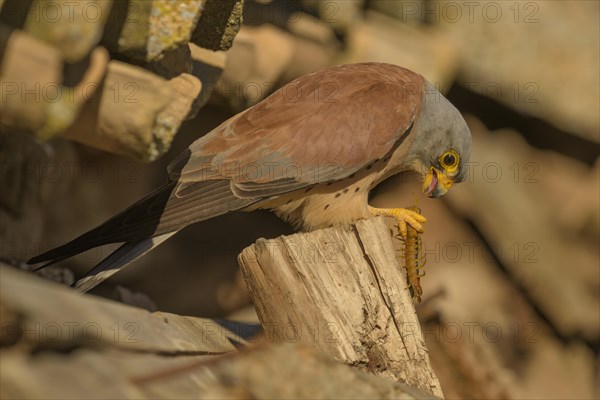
[449, 160]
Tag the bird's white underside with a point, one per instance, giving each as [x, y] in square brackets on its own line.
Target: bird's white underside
[340, 203]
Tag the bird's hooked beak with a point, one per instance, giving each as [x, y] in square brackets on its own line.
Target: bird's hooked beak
[436, 183]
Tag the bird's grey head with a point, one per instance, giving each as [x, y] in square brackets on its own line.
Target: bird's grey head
[442, 144]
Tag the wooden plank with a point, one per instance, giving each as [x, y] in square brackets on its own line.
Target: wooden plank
[265, 372]
[57, 344]
[50, 315]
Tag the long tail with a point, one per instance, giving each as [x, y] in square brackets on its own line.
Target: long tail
[149, 222]
[139, 221]
[118, 259]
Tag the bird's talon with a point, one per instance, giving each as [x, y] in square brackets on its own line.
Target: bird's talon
[403, 217]
[402, 228]
[420, 218]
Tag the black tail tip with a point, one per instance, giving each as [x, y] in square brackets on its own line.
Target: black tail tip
[41, 259]
[32, 260]
[36, 260]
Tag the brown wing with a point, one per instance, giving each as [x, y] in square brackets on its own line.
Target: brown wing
[318, 128]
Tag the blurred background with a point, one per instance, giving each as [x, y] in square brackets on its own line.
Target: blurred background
[511, 304]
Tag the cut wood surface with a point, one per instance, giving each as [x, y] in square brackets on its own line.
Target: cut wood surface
[123, 115]
[342, 291]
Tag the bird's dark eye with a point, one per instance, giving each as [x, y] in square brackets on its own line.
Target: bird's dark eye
[449, 160]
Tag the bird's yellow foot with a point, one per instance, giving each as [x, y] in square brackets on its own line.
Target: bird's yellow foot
[403, 216]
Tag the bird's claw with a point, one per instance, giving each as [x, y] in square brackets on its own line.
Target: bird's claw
[404, 217]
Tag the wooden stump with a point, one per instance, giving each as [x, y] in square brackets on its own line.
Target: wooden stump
[342, 291]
